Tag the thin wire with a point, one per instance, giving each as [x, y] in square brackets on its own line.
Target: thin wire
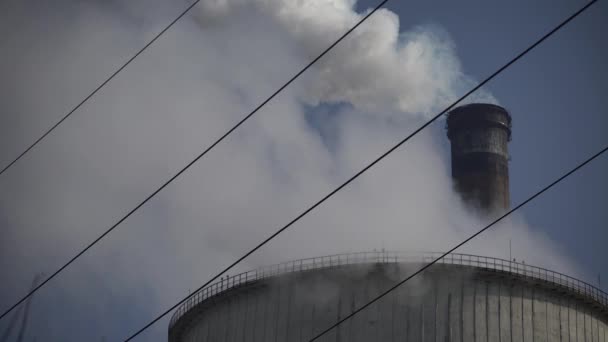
[461, 244]
[195, 159]
[96, 90]
[326, 197]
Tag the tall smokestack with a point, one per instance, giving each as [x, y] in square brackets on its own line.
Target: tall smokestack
[479, 134]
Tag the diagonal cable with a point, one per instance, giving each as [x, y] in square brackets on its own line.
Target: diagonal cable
[422, 269]
[293, 78]
[103, 84]
[369, 166]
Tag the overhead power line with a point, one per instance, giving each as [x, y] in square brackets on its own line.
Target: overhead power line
[422, 269]
[103, 84]
[247, 117]
[366, 168]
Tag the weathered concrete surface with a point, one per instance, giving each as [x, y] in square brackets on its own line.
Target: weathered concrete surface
[447, 304]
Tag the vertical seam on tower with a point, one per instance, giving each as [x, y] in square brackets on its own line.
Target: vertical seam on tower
[448, 327]
[422, 321]
[569, 332]
[352, 309]
[208, 329]
[407, 321]
[560, 320]
[255, 313]
[511, 286]
[396, 295]
[523, 325]
[436, 291]
[265, 315]
[226, 308]
[339, 311]
[575, 322]
[499, 313]
[227, 331]
[474, 312]
[533, 313]
[290, 295]
[278, 311]
[312, 320]
[246, 300]
[487, 311]
[547, 317]
[462, 310]
[584, 325]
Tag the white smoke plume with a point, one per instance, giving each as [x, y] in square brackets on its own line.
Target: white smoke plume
[378, 68]
[197, 81]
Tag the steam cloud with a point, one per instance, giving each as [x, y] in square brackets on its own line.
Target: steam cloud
[377, 69]
[373, 89]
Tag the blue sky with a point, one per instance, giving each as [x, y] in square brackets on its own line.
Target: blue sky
[124, 143]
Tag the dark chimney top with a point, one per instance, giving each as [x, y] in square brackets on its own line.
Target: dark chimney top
[479, 134]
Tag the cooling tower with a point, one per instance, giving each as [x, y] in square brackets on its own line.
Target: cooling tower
[463, 298]
[479, 134]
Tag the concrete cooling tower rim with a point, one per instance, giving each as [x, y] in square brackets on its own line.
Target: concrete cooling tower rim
[516, 270]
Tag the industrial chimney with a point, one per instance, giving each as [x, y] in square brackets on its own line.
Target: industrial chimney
[479, 134]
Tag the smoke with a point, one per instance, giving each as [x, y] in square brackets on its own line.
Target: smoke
[377, 68]
[376, 87]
